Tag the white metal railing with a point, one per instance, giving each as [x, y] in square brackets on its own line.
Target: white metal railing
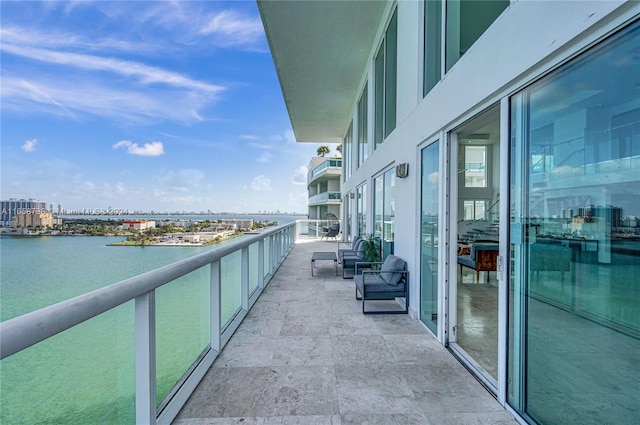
[312, 229]
[274, 245]
[324, 197]
[329, 163]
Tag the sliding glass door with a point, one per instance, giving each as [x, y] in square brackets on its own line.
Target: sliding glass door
[574, 292]
[429, 241]
[384, 211]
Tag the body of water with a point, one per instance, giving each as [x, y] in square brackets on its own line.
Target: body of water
[87, 374]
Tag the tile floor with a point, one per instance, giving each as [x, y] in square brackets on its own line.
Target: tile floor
[306, 355]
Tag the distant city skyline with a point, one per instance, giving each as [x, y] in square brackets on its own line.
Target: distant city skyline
[163, 106]
[59, 209]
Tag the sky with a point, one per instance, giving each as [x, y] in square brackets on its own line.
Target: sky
[145, 105]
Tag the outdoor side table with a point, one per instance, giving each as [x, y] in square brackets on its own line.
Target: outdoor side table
[324, 256]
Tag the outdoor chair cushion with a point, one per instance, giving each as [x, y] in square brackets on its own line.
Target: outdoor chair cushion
[375, 283]
[352, 247]
[392, 264]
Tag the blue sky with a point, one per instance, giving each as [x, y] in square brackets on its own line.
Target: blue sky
[146, 105]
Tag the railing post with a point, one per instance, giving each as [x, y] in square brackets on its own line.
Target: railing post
[145, 323]
[215, 305]
[271, 254]
[261, 264]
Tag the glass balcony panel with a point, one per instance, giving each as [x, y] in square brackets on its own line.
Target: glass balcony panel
[325, 196]
[85, 374]
[330, 163]
[231, 281]
[182, 327]
[253, 268]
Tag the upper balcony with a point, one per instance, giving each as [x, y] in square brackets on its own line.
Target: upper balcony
[330, 168]
[325, 198]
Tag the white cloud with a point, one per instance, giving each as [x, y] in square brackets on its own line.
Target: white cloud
[31, 36]
[261, 183]
[287, 137]
[300, 175]
[67, 97]
[299, 200]
[434, 178]
[265, 157]
[248, 137]
[30, 145]
[230, 28]
[148, 149]
[144, 73]
[181, 180]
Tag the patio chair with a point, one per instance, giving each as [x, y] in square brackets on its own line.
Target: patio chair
[351, 247]
[330, 232]
[349, 257]
[391, 281]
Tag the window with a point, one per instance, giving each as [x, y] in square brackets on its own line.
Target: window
[385, 75]
[363, 137]
[346, 152]
[467, 20]
[361, 208]
[432, 55]
[378, 205]
[474, 210]
[475, 166]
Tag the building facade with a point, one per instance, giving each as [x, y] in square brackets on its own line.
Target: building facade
[511, 125]
[13, 206]
[139, 224]
[33, 219]
[323, 184]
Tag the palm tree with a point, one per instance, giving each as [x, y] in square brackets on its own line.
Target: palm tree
[339, 149]
[323, 150]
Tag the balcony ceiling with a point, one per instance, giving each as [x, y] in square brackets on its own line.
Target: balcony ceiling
[320, 49]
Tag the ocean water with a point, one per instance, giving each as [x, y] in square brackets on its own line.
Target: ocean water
[86, 375]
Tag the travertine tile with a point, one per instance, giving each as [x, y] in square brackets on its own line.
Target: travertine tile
[303, 351]
[386, 419]
[361, 349]
[304, 390]
[370, 388]
[306, 355]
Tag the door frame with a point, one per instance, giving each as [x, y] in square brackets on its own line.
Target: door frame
[450, 199]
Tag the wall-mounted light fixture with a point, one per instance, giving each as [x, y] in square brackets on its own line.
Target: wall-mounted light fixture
[402, 170]
[351, 195]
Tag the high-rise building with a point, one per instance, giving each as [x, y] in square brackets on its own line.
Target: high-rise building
[11, 207]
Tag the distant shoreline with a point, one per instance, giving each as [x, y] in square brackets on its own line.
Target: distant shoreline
[177, 243]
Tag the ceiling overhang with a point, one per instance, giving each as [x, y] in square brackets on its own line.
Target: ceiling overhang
[320, 50]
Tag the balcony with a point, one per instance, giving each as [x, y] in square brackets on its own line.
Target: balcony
[306, 354]
[325, 198]
[278, 346]
[330, 168]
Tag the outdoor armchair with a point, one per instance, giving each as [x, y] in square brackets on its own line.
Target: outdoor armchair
[351, 247]
[348, 258]
[389, 282]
